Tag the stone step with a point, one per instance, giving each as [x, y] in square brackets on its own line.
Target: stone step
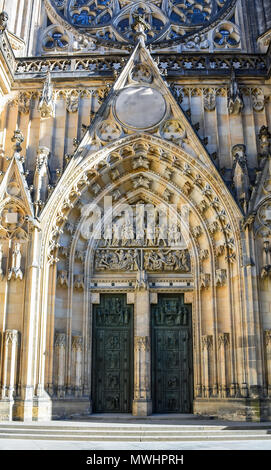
[34, 428]
[131, 432]
[140, 438]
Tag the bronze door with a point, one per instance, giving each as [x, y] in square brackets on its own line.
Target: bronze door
[171, 355]
[112, 355]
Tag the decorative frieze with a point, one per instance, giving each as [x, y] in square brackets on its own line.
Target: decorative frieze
[138, 259]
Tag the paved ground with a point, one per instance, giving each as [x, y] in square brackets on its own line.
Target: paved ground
[18, 444]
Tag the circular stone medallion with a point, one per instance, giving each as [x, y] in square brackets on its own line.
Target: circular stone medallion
[140, 107]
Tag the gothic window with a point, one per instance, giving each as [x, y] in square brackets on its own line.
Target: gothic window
[226, 36]
[54, 39]
[171, 19]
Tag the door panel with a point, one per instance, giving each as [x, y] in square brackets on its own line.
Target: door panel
[171, 355]
[112, 355]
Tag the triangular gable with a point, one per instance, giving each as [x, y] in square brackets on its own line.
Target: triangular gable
[140, 101]
[14, 185]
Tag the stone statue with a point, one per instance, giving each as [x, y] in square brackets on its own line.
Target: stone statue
[3, 22]
[264, 138]
[41, 178]
[46, 104]
[15, 270]
[235, 100]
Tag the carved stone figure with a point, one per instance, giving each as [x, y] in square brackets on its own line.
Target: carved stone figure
[46, 104]
[41, 178]
[258, 99]
[15, 272]
[3, 22]
[265, 139]
[72, 103]
[235, 99]
[240, 175]
[221, 277]
[209, 100]
[62, 278]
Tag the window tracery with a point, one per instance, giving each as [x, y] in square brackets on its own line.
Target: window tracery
[168, 19]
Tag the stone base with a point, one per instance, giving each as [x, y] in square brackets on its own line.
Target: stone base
[233, 409]
[6, 410]
[142, 407]
[71, 408]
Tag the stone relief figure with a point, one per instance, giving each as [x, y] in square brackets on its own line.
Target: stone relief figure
[235, 99]
[153, 260]
[15, 271]
[123, 260]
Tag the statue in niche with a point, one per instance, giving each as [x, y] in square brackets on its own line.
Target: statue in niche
[15, 270]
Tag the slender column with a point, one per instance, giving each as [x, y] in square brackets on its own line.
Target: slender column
[10, 364]
[60, 347]
[223, 343]
[77, 350]
[267, 337]
[207, 346]
[142, 404]
[25, 404]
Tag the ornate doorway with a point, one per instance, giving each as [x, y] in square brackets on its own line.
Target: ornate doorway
[171, 355]
[112, 355]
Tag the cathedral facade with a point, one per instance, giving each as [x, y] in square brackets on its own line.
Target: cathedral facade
[135, 208]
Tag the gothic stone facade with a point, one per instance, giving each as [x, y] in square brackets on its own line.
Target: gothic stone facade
[148, 105]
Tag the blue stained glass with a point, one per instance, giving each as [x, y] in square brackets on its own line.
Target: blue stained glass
[105, 18]
[175, 18]
[81, 18]
[123, 24]
[50, 44]
[80, 3]
[157, 23]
